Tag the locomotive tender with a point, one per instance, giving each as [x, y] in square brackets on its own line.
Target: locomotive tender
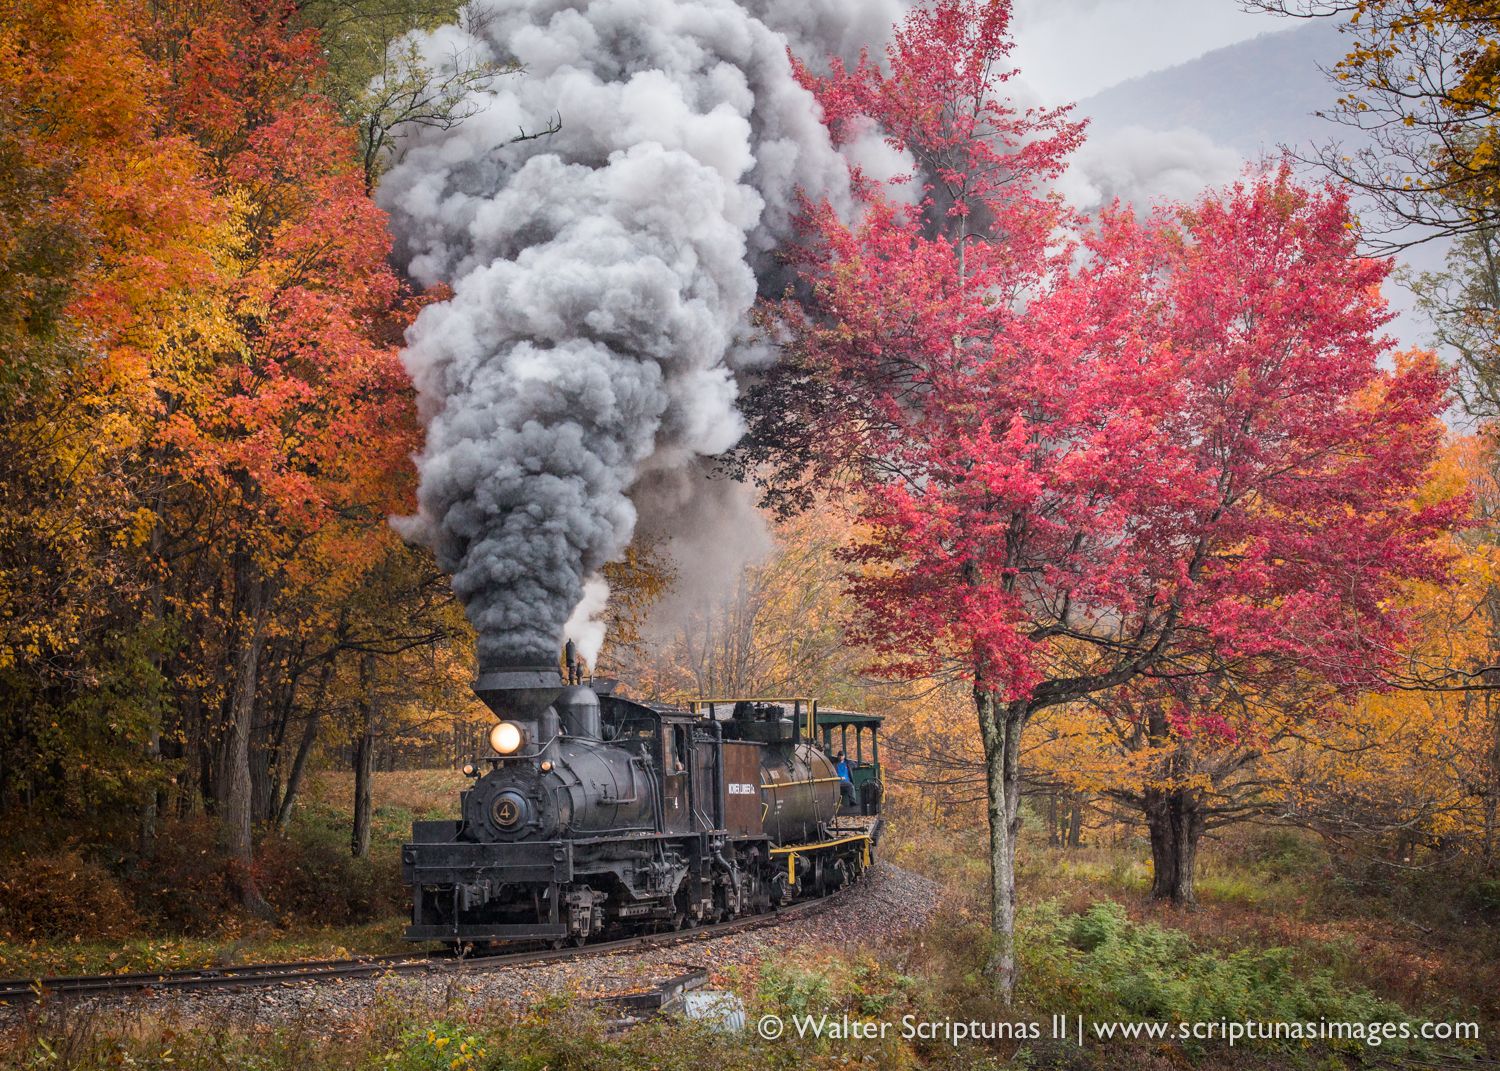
[599, 813]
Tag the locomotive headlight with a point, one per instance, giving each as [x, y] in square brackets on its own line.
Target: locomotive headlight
[507, 738]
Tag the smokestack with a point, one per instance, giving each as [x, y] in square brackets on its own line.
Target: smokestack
[518, 692]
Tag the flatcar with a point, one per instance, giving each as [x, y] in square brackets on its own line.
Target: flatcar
[593, 814]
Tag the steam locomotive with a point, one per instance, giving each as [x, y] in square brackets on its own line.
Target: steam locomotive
[595, 814]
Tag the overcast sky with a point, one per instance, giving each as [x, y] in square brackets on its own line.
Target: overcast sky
[1068, 49]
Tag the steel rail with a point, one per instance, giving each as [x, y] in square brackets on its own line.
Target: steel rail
[21, 991]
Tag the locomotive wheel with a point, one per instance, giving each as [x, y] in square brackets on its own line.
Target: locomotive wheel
[723, 906]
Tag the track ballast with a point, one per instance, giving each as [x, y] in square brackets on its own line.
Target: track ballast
[16, 992]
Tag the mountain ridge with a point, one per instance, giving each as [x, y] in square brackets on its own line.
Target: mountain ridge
[1252, 96]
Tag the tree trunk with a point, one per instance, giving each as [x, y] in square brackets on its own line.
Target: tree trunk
[193, 777]
[1492, 785]
[235, 807]
[151, 807]
[1074, 837]
[156, 603]
[1000, 726]
[364, 760]
[1175, 819]
[262, 777]
[304, 747]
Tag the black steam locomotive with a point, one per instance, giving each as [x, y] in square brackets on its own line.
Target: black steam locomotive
[598, 814]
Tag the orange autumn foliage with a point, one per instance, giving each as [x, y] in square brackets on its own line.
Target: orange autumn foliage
[206, 420]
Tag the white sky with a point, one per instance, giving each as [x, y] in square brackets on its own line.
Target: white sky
[1068, 49]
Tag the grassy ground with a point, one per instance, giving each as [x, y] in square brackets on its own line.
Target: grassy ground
[130, 954]
[423, 793]
[183, 916]
[1282, 933]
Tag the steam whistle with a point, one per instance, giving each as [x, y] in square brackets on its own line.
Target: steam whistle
[573, 662]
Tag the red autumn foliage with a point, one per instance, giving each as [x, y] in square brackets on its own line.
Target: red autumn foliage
[1184, 457]
[1096, 453]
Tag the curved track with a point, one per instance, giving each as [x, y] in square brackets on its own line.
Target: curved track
[18, 991]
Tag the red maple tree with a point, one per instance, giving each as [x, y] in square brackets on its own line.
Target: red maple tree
[1153, 450]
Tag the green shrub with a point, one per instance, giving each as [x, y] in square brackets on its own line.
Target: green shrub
[439, 1047]
[1101, 964]
[1288, 853]
[877, 990]
[865, 988]
[796, 991]
[1484, 894]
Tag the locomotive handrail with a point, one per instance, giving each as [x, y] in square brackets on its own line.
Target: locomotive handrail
[802, 781]
[693, 704]
[792, 851]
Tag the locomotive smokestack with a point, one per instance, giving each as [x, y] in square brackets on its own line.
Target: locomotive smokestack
[517, 692]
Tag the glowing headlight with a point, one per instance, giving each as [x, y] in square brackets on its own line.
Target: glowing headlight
[507, 738]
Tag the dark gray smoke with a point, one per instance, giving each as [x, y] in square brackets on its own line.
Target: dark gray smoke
[602, 276]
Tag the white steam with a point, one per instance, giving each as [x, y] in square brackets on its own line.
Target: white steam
[586, 626]
[602, 278]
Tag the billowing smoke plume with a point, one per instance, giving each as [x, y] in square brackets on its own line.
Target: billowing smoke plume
[601, 276]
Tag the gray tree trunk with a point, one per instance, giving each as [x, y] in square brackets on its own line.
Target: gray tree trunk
[1074, 838]
[235, 812]
[1000, 726]
[304, 747]
[150, 808]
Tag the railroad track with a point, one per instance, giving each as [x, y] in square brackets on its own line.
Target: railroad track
[15, 992]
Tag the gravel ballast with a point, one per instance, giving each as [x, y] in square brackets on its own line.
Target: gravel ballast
[888, 902]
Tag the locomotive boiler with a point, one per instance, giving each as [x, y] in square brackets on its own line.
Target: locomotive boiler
[592, 812]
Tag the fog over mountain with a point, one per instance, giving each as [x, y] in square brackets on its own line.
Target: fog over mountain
[1251, 97]
[1168, 134]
